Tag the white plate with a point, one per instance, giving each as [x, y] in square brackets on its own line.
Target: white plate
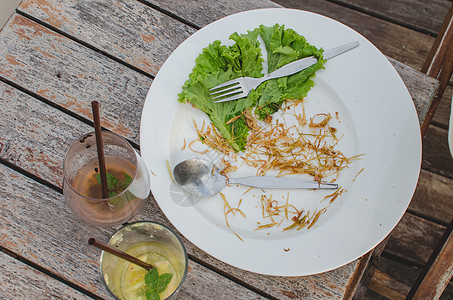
[378, 118]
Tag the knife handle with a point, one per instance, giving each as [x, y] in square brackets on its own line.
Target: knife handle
[281, 183]
[304, 63]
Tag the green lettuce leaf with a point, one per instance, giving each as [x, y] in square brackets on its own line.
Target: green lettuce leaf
[219, 63]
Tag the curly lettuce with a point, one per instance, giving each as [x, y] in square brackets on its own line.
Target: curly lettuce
[219, 63]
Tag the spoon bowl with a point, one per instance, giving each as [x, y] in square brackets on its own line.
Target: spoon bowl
[202, 178]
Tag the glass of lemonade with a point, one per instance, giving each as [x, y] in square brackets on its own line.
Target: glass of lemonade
[127, 177]
[153, 243]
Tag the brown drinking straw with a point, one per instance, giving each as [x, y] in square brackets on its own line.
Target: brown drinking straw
[100, 147]
[119, 253]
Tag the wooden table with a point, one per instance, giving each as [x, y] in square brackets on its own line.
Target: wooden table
[55, 58]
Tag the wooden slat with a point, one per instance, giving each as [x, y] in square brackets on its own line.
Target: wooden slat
[414, 239]
[437, 272]
[436, 154]
[330, 284]
[72, 75]
[442, 115]
[27, 142]
[201, 13]
[125, 29]
[433, 197]
[20, 281]
[395, 277]
[420, 87]
[26, 216]
[387, 286]
[402, 44]
[422, 15]
[439, 63]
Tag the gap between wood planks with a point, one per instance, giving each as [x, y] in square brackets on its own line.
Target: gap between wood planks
[60, 108]
[49, 273]
[384, 17]
[50, 27]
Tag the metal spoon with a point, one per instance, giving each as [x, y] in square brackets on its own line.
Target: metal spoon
[202, 178]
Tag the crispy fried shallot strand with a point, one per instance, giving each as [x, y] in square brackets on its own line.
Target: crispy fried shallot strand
[309, 147]
[227, 209]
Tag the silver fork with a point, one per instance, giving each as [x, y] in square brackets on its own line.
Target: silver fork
[241, 87]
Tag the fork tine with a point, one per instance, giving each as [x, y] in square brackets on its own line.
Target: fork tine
[225, 84]
[234, 96]
[226, 91]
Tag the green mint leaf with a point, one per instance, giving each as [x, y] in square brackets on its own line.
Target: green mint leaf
[112, 194]
[127, 179]
[163, 282]
[112, 181]
[125, 183]
[152, 295]
[151, 278]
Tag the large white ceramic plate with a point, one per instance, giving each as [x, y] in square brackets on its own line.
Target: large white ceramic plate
[376, 116]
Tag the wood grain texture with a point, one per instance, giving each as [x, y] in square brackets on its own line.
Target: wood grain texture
[422, 15]
[420, 87]
[413, 230]
[126, 29]
[202, 12]
[26, 217]
[72, 75]
[402, 44]
[433, 197]
[37, 138]
[388, 286]
[20, 281]
[437, 272]
[436, 154]
[396, 277]
[442, 116]
[439, 63]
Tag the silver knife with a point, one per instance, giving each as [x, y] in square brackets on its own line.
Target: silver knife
[248, 83]
[301, 64]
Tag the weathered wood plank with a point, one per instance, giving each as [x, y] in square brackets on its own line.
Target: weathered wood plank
[330, 284]
[421, 88]
[436, 154]
[394, 277]
[414, 239]
[433, 197]
[71, 75]
[442, 115]
[201, 13]
[125, 29]
[402, 44]
[34, 137]
[439, 63]
[423, 15]
[20, 281]
[25, 229]
[437, 272]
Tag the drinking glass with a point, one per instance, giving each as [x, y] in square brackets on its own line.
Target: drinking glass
[127, 176]
[153, 243]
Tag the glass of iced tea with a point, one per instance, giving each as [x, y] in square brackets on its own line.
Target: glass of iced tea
[128, 180]
[153, 243]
